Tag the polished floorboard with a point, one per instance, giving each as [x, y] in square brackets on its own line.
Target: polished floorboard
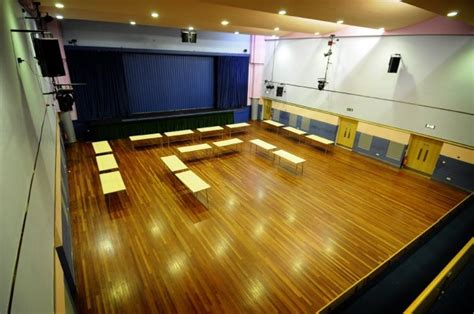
[270, 240]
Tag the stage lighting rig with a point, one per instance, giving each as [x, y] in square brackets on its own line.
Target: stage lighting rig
[322, 82]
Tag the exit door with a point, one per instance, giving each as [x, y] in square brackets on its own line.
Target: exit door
[423, 154]
[347, 132]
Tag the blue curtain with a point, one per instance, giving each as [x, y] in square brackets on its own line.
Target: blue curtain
[105, 95]
[232, 81]
[164, 82]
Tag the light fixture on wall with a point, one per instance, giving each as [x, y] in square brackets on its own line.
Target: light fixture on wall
[430, 126]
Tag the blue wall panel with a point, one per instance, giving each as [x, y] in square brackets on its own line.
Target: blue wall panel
[242, 115]
[158, 82]
[378, 150]
[284, 117]
[323, 129]
[455, 172]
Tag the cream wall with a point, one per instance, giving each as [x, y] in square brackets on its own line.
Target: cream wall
[308, 113]
[457, 152]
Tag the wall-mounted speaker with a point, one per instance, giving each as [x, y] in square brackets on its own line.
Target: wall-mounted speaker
[49, 57]
[279, 91]
[188, 36]
[394, 63]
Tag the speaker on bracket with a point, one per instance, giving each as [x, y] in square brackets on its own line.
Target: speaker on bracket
[49, 56]
[394, 63]
[188, 36]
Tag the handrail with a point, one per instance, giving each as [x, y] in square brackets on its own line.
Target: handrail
[426, 298]
[361, 282]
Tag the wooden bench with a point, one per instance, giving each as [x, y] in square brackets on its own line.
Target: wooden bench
[101, 147]
[274, 124]
[106, 162]
[146, 139]
[182, 135]
[111, 182]
[266, 147]
[237, 127]
[173, 163]
[194, 183]
[210, 131]
[226, 143]
[294, 132]
[186, 150]
[289, 157]
[320, 142]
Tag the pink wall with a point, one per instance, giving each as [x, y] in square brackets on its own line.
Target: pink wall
[55, 28]
[257, 59]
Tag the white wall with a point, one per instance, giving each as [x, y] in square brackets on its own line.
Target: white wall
[101, 34]
[26, 182]
[436, 71]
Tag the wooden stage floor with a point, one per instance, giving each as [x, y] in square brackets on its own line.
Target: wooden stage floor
[270, 240]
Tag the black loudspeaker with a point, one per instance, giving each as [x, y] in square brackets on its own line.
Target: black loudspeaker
[188, 37]
[49, 56]
[279, 91]
[394, 63]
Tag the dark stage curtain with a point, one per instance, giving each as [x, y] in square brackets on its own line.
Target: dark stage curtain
[232, 81]
[105, 95]
[165, 82]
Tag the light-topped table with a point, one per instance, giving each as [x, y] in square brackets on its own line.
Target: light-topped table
[210, 131]
[320, 142]
[101, 147]
[230, 142]
[237, 127]
[290, 158]
[181, 135]
[274, 124]
[294, 132]
[106, 162]
[186, 150]
[262, 144]
[173, 163]
[194, 183]
[146, 139]
[111, 182]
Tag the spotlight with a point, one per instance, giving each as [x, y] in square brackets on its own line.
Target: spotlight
[327, 54]
[48, 18]
[65, 99]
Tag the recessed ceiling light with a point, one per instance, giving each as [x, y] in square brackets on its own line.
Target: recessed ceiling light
[190, 28]
[340, 22]
[59, 5]
[382, 29]
[317, 33]
[133, 22]
[225, 22]
[276, 29]
[59, 17]
[154, 15]
[452, 13]
[236, 33]
[282, 12]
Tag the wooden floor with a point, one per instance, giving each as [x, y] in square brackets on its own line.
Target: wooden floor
[271, 240]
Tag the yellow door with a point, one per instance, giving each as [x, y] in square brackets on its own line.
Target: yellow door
[346, 133]
[267, 109]
[423, 154]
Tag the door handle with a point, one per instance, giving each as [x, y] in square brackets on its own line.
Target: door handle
[419, 154]
[426, 155]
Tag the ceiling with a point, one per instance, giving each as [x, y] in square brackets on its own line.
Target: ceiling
[260, 16]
